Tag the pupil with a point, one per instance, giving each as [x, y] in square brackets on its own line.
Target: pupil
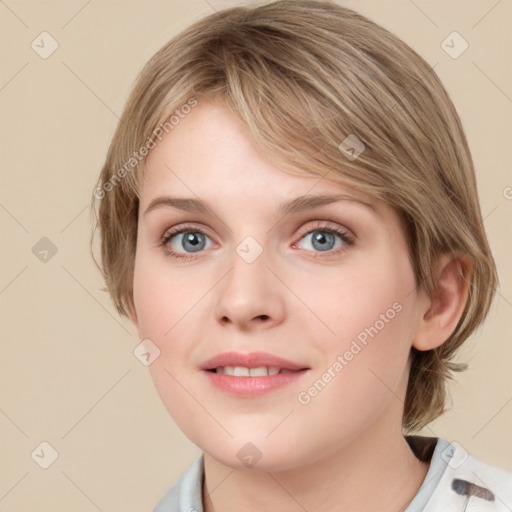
[322, 239]
[191, 238]
[194, 240]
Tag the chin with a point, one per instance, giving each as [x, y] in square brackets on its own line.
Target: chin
[258, 455]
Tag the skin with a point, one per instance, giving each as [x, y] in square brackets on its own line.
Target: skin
[295, 301]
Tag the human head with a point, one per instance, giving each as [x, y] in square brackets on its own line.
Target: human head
[303, 76]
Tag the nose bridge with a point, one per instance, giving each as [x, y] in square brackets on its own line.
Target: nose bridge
[249, 291]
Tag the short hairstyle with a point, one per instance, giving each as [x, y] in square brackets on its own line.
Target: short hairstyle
[304, 76]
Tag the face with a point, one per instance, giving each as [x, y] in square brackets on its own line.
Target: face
[322, 291]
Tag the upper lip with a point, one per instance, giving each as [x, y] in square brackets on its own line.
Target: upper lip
[250, 360]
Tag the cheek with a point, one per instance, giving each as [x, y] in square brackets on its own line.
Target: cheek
[358, 297]
[361, 369]
[168, 303]
[368, 310]
[164, 301]
[163, 297]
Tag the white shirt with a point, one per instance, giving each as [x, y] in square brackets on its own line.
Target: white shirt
[455, 482]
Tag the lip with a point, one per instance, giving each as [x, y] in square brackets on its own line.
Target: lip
[250, 360]
[251, 387]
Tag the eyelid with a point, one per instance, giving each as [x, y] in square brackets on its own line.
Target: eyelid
[185, 227]
[324, 224]
[346, 236]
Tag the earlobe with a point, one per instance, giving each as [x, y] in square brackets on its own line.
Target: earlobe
[443, 310]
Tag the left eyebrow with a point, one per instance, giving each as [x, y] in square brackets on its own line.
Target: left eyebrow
[304, 203]
[299, 204]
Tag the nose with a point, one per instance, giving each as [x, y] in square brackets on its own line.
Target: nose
[250, 296]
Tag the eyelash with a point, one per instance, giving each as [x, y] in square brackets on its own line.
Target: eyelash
[321, 226]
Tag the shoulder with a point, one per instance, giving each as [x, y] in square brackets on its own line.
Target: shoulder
[469, 482]
[186, 494]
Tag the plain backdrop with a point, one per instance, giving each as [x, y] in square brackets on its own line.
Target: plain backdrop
[68, 374]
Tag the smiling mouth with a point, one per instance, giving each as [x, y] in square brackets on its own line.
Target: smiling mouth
[260, 371]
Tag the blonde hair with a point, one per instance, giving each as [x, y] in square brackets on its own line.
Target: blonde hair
[303, 76]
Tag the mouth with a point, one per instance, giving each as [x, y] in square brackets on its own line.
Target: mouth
[250, 375]
[259, 371]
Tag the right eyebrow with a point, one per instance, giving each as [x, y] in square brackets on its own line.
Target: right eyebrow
[185, 204]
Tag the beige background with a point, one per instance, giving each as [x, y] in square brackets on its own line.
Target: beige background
[68, 374]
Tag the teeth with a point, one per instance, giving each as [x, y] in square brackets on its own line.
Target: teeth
[242, 371]
[258, 372]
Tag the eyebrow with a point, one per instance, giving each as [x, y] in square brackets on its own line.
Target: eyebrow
[297, 205]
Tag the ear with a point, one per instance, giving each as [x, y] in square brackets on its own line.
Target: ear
[441, 312]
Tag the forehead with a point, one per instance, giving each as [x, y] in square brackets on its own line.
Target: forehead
[211, 154]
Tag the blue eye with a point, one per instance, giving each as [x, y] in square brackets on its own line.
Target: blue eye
[191, 241]
[327, 239]
[322, 240]
[186, 239]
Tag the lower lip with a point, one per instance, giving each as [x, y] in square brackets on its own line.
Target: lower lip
[250, 387]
